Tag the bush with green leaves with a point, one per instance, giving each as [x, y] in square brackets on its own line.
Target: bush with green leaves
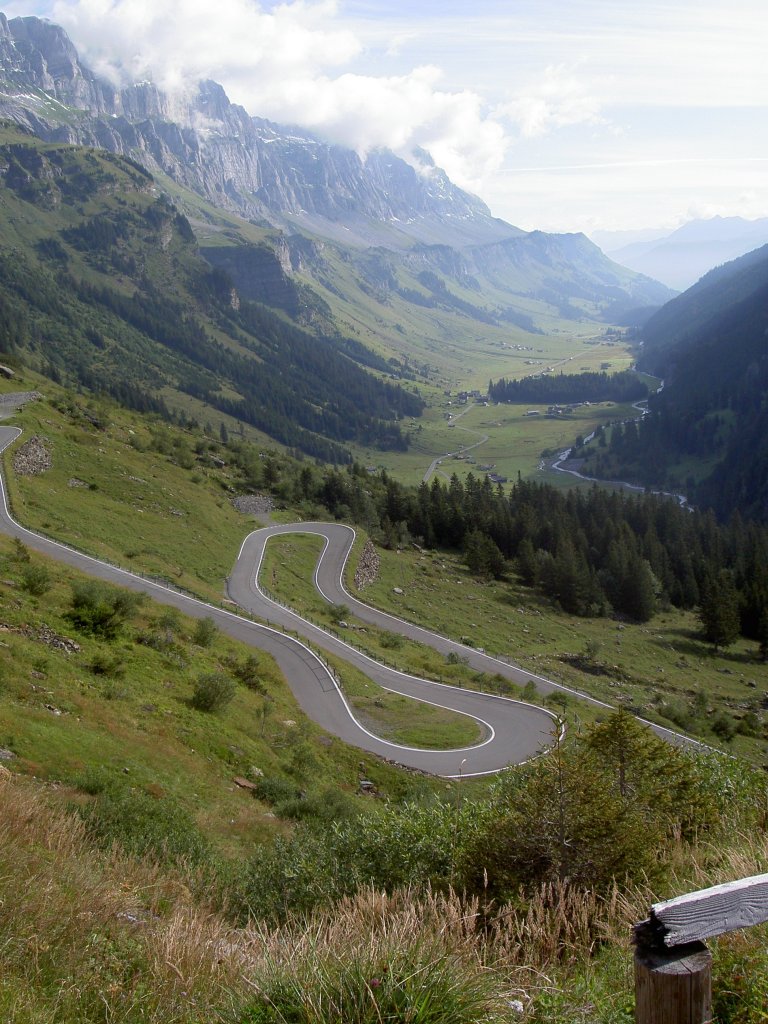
[411, 845]
[750, 725]
[103, 664]
[561, 819]
[212, 692]
[273, 789]
[604, 806]
[391, 641]
[36, 580]
[141, 824]
[338, 613]
[247, 673]
[20, 551]
[325, 805]
[205, 632]
[724, 727]
[101, 610]
[531, 692]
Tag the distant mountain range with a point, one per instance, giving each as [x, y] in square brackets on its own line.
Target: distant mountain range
[294, 186]
[281, 175]
[681, 257]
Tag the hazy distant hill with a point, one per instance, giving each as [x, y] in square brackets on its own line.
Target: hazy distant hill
[677, 327]
[683, 256]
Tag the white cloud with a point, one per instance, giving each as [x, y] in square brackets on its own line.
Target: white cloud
[558, 112]
[192, 39]
[557, 100]
[289, 64]
[397, 112]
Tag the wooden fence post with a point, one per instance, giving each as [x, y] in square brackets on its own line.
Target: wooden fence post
[673, 986]
[673, 967]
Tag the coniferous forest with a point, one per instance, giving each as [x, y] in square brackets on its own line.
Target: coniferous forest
[592, 553]
[707, 431]
[569, 388]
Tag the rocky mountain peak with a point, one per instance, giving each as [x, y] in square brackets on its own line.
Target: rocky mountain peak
[51, 42]
[38, 55]
[213, 101]
[250, 166]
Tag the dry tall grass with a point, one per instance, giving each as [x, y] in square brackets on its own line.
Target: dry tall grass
[93, 936]
[85, 929]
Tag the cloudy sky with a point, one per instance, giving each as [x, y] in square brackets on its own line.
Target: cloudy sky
[561, 114]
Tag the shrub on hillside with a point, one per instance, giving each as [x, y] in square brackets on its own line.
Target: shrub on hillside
[338, 613]
[609, 806]
[326, 805]
[273, 789]
[36, 580]
[410, 845]
[141, 824]
[100, 609]
[247, 673]
[212, 692]
[392, 641]
[205, 632]
[103, 664]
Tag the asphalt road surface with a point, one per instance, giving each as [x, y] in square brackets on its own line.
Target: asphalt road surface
[512, 732]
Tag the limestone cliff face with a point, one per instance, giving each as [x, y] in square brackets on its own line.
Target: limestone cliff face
[286, 178]
[245, 164]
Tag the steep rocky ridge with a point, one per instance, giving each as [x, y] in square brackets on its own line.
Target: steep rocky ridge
[286, 179]
[102, 285]
[245, 164]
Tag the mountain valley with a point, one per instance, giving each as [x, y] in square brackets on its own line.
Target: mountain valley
[428, 752]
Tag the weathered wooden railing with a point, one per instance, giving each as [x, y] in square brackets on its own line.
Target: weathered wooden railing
[673, 967]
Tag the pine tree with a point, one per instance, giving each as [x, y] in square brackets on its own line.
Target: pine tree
[638, 590]
[482, 556]
[527, 564]
[719, 610]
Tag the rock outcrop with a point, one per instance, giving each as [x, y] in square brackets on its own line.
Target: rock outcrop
[254, 504]
[367, 570]
[33, 458]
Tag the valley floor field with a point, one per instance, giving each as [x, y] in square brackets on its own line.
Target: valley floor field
[476, 436]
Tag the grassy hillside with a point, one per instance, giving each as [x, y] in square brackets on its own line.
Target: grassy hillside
[99, 714]
[91, 935]
[157, 499]
[130, 489]
[103, 286]
[159, 945]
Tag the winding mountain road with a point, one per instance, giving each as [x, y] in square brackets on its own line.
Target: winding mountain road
[512, 731]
